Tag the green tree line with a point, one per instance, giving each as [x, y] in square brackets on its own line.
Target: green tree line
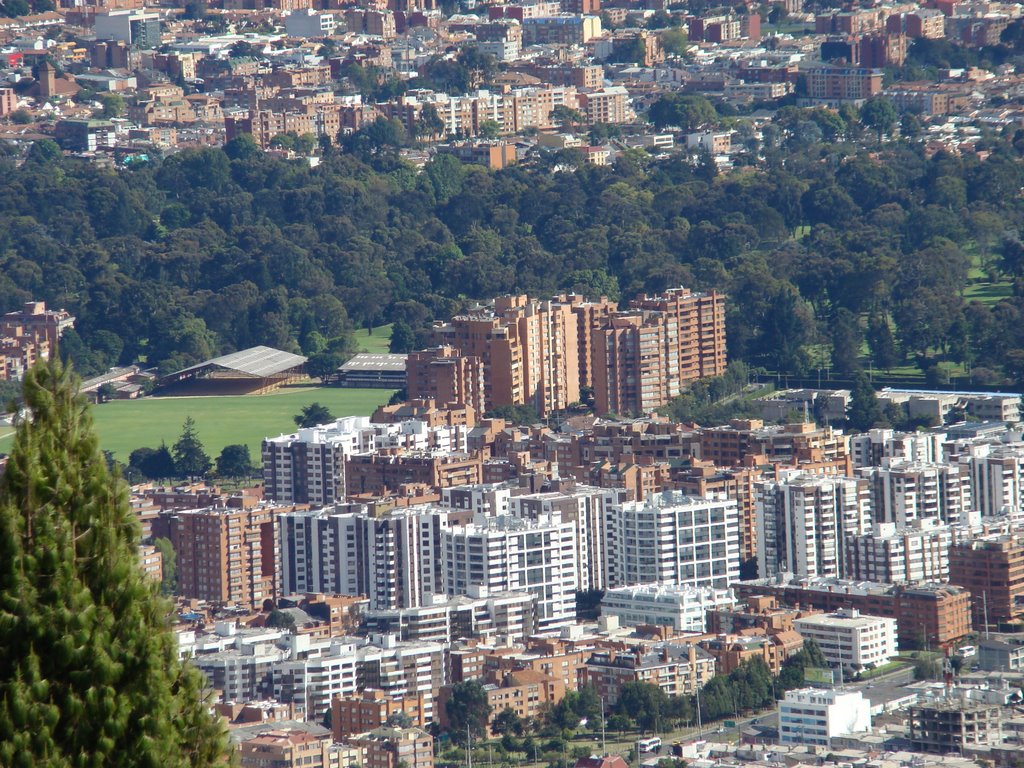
[827, 252]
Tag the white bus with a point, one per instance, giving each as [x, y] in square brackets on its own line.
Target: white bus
[649, 745]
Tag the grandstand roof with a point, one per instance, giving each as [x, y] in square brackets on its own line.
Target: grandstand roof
[257, 362]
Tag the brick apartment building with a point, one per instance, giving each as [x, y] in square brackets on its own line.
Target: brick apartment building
[446, 375]
[375, 473]
[838, 84]
[285, 748]
[393, 747]
[371, 708]
[644, 357]
[29, 335]
[992, 570]
[226, 554]
[932, 615]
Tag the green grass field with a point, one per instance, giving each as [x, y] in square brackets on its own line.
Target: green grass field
[988, 293]
[377, 342]
[124, 425]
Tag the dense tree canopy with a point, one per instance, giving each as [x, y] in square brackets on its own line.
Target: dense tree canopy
[209, 251]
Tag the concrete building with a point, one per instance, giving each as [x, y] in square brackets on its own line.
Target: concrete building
[562, 28]
[672, 538]
[997, 477]
[684, 608]
[501, 617]
[850, 640]
[895, 554]
[702, 478]
[803, 524]
[814, 716]
[84, 135]
[902, 492]
[874, 447]
[309, 466]
[137, 28]
[991, 568]
[951, 725]
[310, 23]
[510, 553]
[1001, 653]
[394, 560]
[585, 507]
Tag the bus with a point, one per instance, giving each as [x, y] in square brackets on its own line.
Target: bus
[649, 745]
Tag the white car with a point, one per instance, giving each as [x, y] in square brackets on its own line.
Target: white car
[967, 651]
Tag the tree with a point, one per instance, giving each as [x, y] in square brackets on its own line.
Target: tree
[195, 10]
[489, 129]
[280, 620]
[21, 116]
[169, 565]
[567, 117]
[645, 703]
[234, 461]
[153, 463]
[325, 365]
[242, 147]
[402, 338]
[113, 104]
[507, 722]
[879, 114]
[686, 112]
[312, 415]
[864, 411]
[675, 41]
[190, 458]
[89, 673]
[881, 342]
[467, 708]
[429, 125]
[846, 340]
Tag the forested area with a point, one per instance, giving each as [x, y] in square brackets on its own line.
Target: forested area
[827, 251]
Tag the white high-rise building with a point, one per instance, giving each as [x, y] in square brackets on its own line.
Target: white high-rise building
[997, 477]
[902, 491]
[874, 447]
[849, 639]
[308, 466]
[510, 553]
[901, 554]
[585, 507]
[393, 559]
[813, 716]
[671, 537]
[803, 524]
[684, 608]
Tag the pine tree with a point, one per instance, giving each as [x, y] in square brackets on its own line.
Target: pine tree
[190, 458]
[89, 674]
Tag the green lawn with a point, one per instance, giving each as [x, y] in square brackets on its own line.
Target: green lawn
[376, 342]
[988, 293]
[124, 425]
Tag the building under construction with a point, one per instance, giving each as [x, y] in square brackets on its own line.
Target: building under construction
[952, 724]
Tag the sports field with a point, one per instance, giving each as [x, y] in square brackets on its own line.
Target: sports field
[124, 425]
